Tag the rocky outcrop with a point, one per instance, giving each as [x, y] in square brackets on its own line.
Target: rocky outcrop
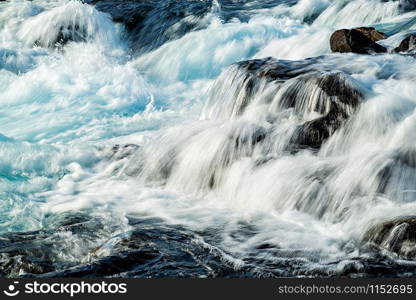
[313, 133]
[66, 34]
[306, 87]
[397, 236]
[53, 28]
[360, 40]
[340, 97]
[407, 45]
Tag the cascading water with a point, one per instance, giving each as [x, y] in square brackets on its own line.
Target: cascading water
[209, 138]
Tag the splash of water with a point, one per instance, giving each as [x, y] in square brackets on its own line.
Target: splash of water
[220, 148]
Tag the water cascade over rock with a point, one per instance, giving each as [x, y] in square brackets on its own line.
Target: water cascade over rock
[397, 236]
[213, 138]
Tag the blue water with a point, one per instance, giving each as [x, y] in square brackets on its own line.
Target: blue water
[66, 104]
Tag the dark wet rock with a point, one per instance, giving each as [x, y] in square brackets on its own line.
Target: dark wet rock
[358, 40]
[343, 97]
[36, 252]
[338, 95]
[25, 253]
[332, 91]
[313, 133]
[150, 249]
[240, 143]
[407, 45]
[122, 151]
[153, 248]
[372, 33]
[397, 236]
[252, 72]
[277, 70]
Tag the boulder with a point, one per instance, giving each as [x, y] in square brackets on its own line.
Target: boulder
[358, 40]
[313, 133]
[407, 45]
[305, 86]
[372, 33]
[340, 94]
[397, 236]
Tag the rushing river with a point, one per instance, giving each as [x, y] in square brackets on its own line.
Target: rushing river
[154, 138]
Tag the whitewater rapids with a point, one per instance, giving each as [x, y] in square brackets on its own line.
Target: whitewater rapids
[155, 150]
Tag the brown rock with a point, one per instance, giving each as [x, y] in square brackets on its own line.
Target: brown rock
[372, 33]
[356, 41]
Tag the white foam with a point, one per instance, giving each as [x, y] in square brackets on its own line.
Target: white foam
[205, 52]
[61, 107]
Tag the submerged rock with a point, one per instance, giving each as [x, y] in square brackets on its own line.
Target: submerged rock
[306, 87]
[70, 22]
[277, 70]
[313, 133]
[407, 45]
[398, 169]
[33, 253]
[358, 40]
[66, 33]
[397, 236]
[342, 97]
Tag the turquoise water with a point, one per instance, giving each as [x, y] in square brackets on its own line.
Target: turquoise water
[64, 108]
